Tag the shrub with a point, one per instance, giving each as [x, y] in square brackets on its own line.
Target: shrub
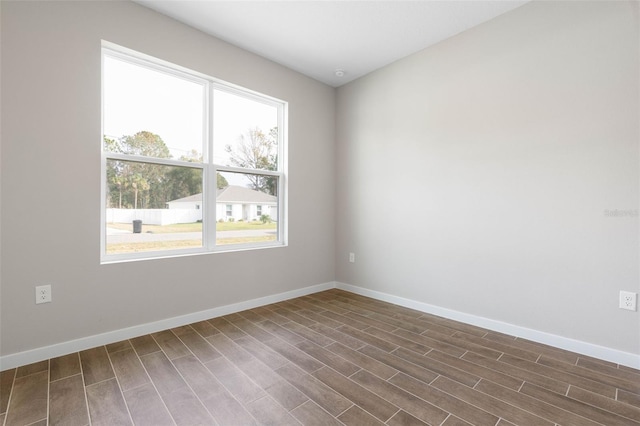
[265, 218]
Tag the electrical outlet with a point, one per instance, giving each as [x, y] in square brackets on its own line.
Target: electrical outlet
[352, 257]
[43, 294]
[628, 300]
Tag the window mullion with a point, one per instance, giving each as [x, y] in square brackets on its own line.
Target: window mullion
[282, 184]
[249, 171]
[210, 185]
[152, 160]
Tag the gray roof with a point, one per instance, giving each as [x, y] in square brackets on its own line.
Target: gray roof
[240, 194]
[190, 198]
[233, 194]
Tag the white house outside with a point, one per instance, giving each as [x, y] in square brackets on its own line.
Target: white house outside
[240, 203]
[233, 203]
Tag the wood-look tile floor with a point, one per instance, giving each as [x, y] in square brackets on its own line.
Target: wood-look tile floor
[330, 358]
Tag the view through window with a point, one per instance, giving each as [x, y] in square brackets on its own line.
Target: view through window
[190, 164]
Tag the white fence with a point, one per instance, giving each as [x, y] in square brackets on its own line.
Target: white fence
[154, 216]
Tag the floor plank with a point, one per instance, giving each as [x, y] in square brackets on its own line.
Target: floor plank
[311, 414]
[6, 383]
[317, 391]
[270, 413]
[356, 416]
[106, 404]
[129, 370]
[216, 398]
[67, 402]
[490, 404]
[29, 397]
[29, 369]
[444, 401]
[96, 366]
[240, 385]
[402, 399]
[146, 407]
[65, 366]
[184, 406]
[369, 401]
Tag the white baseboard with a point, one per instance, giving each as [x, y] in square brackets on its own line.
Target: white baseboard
[40, 354]
[589, 349]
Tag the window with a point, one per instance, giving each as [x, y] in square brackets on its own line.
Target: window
[184, 159]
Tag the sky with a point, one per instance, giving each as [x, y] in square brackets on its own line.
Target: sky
[138, 98]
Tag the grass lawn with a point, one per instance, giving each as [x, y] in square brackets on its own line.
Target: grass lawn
[170, 245]
[194, 227]
[244, 226]
[151, 246]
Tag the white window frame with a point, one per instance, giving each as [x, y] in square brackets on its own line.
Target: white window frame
[208, 167]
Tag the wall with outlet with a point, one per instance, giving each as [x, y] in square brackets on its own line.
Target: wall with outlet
[50, 174]
[497, 172]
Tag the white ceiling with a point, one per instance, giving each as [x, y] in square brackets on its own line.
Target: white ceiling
[318, 37]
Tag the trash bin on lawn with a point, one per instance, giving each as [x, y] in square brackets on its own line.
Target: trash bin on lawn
[137, 226]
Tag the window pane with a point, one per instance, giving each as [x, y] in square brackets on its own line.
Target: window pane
[151, 113]
[152, 207]
[245, 132]
[246, 208]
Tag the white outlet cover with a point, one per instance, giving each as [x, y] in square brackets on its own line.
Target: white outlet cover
[628, 300]
[43, 294]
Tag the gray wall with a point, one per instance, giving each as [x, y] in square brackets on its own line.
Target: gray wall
[475, 175]
[50, 174]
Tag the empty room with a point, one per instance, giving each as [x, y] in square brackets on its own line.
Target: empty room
[319, 212]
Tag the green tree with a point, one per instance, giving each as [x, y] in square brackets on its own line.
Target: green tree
[221, 182]
[113, 179]
[143, 185]
[184, 181]
[257, 150]
[146, 144]
[137, 184]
